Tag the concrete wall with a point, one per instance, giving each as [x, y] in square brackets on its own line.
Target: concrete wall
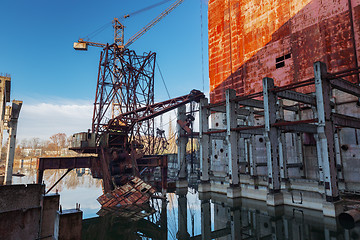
[12, 196]
[20, 224]
[26, 213]
[246, 37]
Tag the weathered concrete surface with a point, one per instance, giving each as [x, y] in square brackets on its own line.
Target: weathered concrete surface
[246, 37]
[13, 196]
[50, 207]
[70, 224]
[20, 224]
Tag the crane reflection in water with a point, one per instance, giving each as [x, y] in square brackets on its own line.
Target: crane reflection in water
[187, 214]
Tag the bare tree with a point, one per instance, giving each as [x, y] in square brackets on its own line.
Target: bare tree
[59, 140]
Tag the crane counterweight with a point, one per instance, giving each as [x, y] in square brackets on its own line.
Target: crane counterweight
[82, 46]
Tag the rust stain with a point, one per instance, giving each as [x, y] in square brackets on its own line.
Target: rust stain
[136, 191]
[264, 30]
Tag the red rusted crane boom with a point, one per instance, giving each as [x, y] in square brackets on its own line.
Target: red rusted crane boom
[151, 111]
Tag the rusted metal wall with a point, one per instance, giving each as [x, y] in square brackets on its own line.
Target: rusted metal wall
[252, 39]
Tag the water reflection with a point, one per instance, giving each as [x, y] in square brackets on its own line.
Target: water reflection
[78, 186]
[186, 214]
[190, 215]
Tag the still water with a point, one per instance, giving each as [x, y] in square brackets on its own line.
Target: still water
[186, 214]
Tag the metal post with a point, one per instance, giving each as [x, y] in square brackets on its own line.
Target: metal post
[326, 131]
[271, 136]
[232, 137]
[204, 140]
[15, 111]
[181, 142]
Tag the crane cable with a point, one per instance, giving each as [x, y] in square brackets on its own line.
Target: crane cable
[146, 8]
[97, 31]
[106, 25]
[202, 44]
[162, 78]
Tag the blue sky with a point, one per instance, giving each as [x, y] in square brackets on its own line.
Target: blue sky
[57, 83]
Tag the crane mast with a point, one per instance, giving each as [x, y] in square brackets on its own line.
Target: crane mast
[125, 88]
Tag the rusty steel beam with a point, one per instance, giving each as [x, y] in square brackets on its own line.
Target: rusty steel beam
[345, 121]
[242, 101]
[344, 73]
[69, 170]
[62, 163]
[251, 103]
[345, 86]
[298, 97]
[294, 165]
[65, 162]
[151, 111]
[298, 126]
[218, 108]
[290, 86]
[256, 130]
[301, 127]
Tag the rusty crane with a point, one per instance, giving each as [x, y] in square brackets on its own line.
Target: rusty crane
[122, 140]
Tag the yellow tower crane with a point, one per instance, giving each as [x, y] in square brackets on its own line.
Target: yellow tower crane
[81, 44]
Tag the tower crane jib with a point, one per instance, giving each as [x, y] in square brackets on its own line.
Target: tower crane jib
[81, 44]
[152, 23]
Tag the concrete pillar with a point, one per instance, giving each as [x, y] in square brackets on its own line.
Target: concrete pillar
[338, 155]
[68, 224]
[326, 132]
[232, 141]
[164, 174]
[5, 82]
[15, 111]
[181, 142]
[337, 144]
[318, 151]
[205, 219]
[287, 226]
[182, 215]
[282, 147]
[299, 146]
[272, 138]
[271, 135]
[204, 140]
[251, 146]
[277, 228]
[235, 220]
[49, 210]
[164, 222]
